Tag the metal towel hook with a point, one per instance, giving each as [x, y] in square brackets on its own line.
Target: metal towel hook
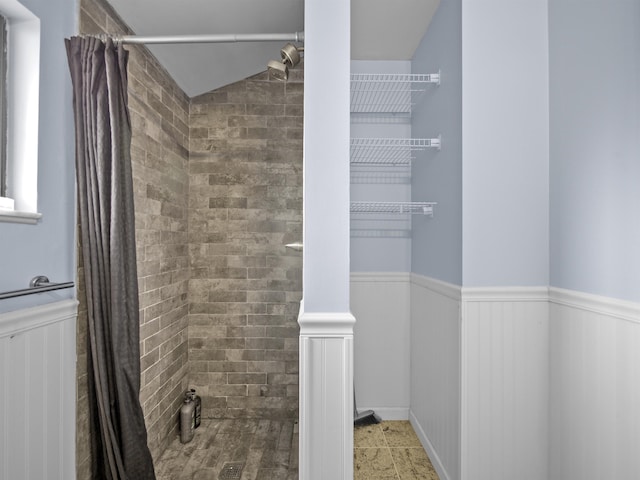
[39, 281]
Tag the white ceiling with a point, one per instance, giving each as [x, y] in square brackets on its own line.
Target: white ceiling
[381, 30]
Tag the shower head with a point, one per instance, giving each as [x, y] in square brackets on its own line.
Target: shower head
[290, 58]
[278, 70]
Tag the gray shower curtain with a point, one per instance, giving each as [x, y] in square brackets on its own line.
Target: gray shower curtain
[107, 233]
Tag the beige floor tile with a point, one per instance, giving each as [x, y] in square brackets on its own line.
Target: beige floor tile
[368, 436]
[413, 464]
[373, 463]
[400, 434]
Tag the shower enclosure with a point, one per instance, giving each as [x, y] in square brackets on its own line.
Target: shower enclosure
[218, 194]
[245, 205]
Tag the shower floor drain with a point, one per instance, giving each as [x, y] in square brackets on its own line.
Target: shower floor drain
[231, 471]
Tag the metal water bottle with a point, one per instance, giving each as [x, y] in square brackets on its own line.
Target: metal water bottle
[187, 419]
[198, 406]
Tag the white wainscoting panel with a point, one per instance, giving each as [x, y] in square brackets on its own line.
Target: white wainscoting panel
[435, 372]
[380, 303]
[595, 387]
[37, 392]
[505, 383]
[326, 396]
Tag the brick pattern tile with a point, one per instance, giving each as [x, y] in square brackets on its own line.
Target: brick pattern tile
[245, 204]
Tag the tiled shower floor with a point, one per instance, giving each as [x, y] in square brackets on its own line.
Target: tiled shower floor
[268, 450]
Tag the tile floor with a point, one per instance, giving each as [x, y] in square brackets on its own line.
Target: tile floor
[390, 450]
[268, 450]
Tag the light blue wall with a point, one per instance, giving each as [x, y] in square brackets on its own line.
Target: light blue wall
[589, 219]
[48, 247]
[491, 178]
[380, 253]
[505, 143]
[595, 146]
[437, 176]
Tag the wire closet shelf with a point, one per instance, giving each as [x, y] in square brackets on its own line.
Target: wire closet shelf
[388, 93]
[423, 208]
[389, 151]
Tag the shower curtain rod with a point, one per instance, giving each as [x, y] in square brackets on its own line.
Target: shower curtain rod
[213, 38]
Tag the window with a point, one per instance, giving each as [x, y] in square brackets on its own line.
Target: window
[20, 104]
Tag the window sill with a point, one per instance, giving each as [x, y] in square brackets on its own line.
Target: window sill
[12, 216]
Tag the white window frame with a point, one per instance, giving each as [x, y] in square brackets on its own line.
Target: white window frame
[23, 89]
[3, 105]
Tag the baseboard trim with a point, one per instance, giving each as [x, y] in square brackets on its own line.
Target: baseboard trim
[388, 413]
[433, 456]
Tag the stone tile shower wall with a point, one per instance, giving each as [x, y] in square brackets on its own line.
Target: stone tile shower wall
[245, 204]
[159, 116]
[159, 153]
[219, 293]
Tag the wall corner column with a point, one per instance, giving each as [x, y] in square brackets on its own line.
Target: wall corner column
[326, 323]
